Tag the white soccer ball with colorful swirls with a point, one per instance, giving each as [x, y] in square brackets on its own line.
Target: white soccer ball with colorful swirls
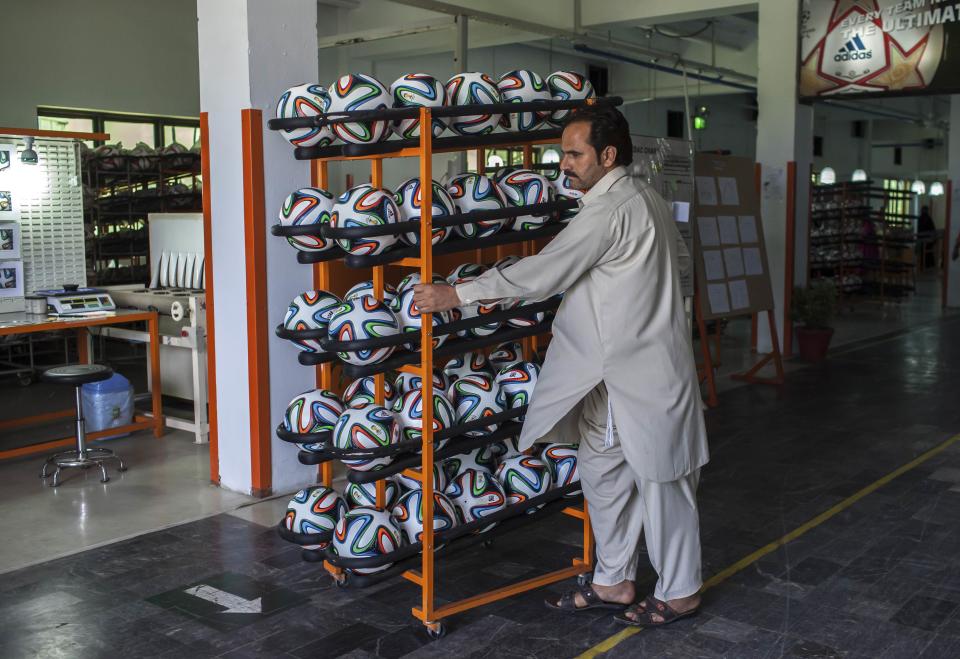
[525, 187]
[505, 354]
[523, 86]
[561, 461]
[523, 478]
[476, 397]
[314, 510]
[367, 427]
[417, 90]
[412, 321]
[465, 270]
[469, 363]
[307, 207]
[362, 391]
[413, 279]
[360, 319]
[517, 383]
[567, 86]
[356, 92]
[408, 513]
[365, 287]
[476, 192]
[314, 411]
[472, 311]
[410, 483]
[366, 532]
[311, 310]
[473, 89]
[307, 100]
[408, 412]
[365, 494]
[407, 381]
[409, 200]
[476, 494]
[365, 206]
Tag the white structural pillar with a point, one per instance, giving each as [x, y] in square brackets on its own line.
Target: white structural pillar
[784, 134]
[953, 167]
[250, 52]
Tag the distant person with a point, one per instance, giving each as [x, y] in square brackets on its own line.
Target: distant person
[926, 235]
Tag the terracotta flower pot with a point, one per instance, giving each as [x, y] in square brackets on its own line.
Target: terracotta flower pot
[814, 342]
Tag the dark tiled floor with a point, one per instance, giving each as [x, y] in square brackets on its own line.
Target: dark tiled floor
[879, 579]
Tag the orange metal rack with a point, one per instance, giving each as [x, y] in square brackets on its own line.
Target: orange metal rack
[324, 275]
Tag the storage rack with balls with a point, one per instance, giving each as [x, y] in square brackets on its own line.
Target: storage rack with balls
[423, 454]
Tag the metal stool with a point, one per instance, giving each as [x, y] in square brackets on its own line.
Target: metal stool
[78, 375]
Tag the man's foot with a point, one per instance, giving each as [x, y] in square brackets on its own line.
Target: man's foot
[653, 612]
[595, 596]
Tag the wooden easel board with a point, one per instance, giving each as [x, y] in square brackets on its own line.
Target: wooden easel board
[730, 258]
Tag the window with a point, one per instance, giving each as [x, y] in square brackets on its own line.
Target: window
[675, 123]
[128, 129]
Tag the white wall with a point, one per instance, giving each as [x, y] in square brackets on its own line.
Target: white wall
[117, 55]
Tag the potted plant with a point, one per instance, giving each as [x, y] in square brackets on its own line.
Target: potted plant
[813, 308]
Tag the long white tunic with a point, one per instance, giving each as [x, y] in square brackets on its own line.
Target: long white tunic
[622, 322]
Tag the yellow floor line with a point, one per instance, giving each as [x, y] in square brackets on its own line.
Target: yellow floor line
[608, 644]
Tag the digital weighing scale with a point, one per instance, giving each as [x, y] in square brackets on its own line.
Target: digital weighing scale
[73, 300]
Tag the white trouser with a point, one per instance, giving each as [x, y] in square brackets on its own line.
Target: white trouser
[622, 504]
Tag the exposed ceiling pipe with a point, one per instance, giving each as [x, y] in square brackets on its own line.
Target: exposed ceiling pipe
[882, 112]
[664, 69]
[578, 39]
[366, 36]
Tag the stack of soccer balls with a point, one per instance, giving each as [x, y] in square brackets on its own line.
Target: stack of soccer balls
[367, 206]
[361, 92]
[467, 488]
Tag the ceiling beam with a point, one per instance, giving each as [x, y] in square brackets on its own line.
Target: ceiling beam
[648, 11]
[390, 32]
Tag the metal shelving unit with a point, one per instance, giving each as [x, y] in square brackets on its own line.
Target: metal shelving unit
[424, 455]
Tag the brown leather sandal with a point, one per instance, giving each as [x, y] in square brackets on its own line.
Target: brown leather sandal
[568, 602]
[650, 607]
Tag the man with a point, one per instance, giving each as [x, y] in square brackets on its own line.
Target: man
[619, 375]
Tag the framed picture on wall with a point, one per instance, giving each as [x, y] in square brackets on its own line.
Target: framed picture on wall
[9, 240]
[7, 154]
[11, 278]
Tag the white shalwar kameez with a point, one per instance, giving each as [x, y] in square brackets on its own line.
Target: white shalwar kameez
[621, 350]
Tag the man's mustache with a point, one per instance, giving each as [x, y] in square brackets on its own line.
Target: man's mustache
[569, 174]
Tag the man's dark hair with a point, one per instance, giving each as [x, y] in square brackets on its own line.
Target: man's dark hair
[608, 127]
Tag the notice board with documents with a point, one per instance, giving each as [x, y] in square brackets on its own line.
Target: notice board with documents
[729, 255]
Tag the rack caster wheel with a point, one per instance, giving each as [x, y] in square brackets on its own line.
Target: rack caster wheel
[340, 582]
[436, 630]
[585, 579]
[25, 379]
[487, 544]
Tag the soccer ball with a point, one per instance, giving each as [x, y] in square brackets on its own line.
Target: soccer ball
[310, 100]
[523, 188]
[313, 411]
[307, 206]
[366, 288]
[483, 458]
[503, 172]
[563, 189]
[366, 532]
[367, 427]
[417, 90]
[365, 494]
[363, 318]
[476, 397]
[408, 512]
[469, 363]
[473, 89]
[464, 271]
[561, 461]
[439, 479]
[365, 206]
[476, 494]
[505, 262]
[523, 478]
[314, 510]
[411, 320]
[567, 86]
[355, 92]
[409, 200]
[527, 321]
[523, 87]
[412, 381]
[362, 391]
[506, 354]
[517, 383]
[413, 279]
[476, 192]
[409, 416]
[470, 311]
[310, 310]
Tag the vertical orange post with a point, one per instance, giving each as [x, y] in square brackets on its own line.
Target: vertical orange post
[426, 360]
[208, 287]
[790, 235]
[155, 384]
[254, 222]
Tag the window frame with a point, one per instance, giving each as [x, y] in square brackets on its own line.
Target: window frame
[99, 119]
